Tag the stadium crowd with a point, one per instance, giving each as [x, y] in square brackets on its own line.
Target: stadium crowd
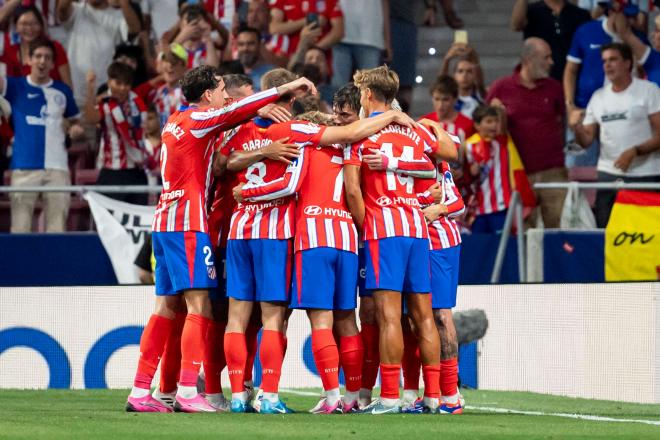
[177, 92]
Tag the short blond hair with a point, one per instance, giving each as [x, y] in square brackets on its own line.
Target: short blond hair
[317, 117]
[383, 82]
[276, 78]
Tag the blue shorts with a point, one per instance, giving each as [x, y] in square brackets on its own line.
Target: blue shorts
[325, 278]
[184, 261]
[398, 263]
[362, 274]
[259, 269]
[220, 292]
[444, 277]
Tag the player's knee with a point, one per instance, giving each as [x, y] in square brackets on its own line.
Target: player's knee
[345, 323]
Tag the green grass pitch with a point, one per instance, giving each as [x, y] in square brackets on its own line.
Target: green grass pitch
[99, 414]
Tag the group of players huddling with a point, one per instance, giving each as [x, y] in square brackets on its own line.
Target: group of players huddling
[304, 209]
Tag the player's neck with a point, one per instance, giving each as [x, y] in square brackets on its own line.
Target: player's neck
[379, 107]
[449, 117]
[34, 79]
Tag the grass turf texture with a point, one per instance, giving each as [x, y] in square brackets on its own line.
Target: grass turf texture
[99, 414]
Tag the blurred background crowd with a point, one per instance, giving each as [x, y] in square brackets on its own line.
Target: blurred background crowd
[573, 95]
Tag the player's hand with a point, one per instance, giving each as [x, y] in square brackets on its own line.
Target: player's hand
[275, 113]
[435, 127]
[298, 85]
[625, 159]
[238, 192]
[432, 213]
[281, 151]
[375, 160]
[475, 169]
[310, 33]
[436, 192]
[402, 119]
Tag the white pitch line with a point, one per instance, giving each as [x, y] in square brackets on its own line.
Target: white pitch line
[566, 415]
[525, 413]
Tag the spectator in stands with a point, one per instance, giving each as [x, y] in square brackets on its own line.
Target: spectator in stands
[364, 40]
[404, 48]
[451, 18]
[152, 144]
[195, 36]
[583, 73]
[95, 29]
[346, 104]
[30, 24]
[159, 16]
[313, 56]
[248, 43]
[487, 161]
[647, 56]
[288, 17]
[121, 115]
[133, 57]
[41, 108]
[467, 73]
[554, 21]
[444, 95]
[625, 114]
[238, 85]
[636, 10]
[258, 17]
[534, 105]
[168, 97]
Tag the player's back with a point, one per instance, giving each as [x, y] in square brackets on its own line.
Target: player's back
[392, 207]
[322, 215]
[185, 165]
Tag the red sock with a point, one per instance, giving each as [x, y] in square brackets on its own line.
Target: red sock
[152, 345]
[431, 380]
[411, 362]
[449, 377]
[369, 335]
[389, 380]
[236, 353]
[193, 342]
[170, 362]
[271, 354]
[252, 344]
[214, 358]
[326, 357]
[351, 355]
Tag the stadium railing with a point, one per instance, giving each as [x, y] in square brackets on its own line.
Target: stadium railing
[515, 209]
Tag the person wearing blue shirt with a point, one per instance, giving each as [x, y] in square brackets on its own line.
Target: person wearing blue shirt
[648, 56]
[583, 74]
[40, 109]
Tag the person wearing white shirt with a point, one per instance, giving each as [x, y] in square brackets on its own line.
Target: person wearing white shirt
[95, 28]
[625, 114]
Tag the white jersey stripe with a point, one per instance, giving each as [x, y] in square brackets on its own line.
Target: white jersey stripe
[256, 224]
[311, 227]
[404, 222]
[419, 231]
[287, 223]
[241, 225]
[186, 216]
[329, 232]
[272, 223]
[345, 238]
[389, 222]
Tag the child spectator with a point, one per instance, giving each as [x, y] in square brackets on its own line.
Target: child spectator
[152, 142]
[167, 96]
[493, 162]
[444, 94]
[121, 115]
[195, 37]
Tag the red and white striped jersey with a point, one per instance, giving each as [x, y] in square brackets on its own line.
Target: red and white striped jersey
[222, 10]
[122, 130]
[443, 232]
[462, 127]
[268, 209]
[391, 204]
[322, 216]
[222, 205]
[167, 101]
[297, 10]
[186, 159]
[493, 181]
[196, 56]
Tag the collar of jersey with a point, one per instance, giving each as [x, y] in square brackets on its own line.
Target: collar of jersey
[39, 86]
[374, 114]
[262, 122]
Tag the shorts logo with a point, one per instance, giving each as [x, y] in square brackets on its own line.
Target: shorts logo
[313, 210]
[384, 201]
[363, 273]
[211, 271]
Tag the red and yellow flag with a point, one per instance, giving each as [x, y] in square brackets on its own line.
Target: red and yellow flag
[632, 238]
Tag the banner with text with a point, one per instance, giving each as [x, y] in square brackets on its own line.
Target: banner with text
[122, 228]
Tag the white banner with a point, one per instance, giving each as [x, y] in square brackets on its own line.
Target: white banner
[122, 229]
